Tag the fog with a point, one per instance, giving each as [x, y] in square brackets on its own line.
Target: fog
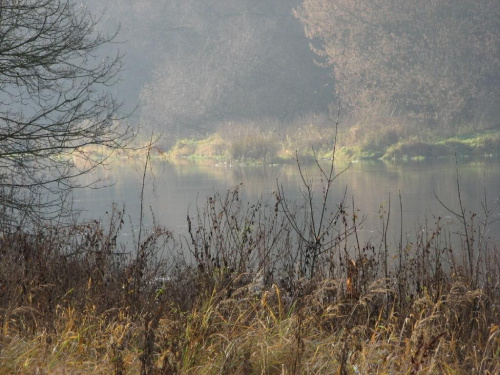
[192, 65]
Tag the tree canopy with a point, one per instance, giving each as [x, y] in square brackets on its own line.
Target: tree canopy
[433, 62]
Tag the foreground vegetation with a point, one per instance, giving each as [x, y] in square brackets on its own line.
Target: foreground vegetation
[272, 287]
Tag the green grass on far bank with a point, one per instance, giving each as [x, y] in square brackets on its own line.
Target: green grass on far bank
[254, 145]
[485, 144]
[257, 146]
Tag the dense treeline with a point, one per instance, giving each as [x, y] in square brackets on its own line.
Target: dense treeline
[398, 70]
[434, 63]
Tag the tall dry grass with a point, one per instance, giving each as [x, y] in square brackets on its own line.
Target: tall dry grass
[239, 294]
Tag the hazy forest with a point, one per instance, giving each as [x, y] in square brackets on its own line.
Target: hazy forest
[278, 285]
[276, 71]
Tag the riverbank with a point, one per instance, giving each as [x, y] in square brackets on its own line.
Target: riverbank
[74, 300]
[260, 147]
[256, 146]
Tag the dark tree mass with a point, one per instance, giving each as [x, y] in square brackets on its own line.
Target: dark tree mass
[431, 62]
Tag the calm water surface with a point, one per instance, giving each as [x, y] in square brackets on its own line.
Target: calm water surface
[173, 190]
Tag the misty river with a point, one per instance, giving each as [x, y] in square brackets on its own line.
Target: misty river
[173, 190]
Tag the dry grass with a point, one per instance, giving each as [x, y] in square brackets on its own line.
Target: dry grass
[249, 334]
[73, 301]
[255, 142]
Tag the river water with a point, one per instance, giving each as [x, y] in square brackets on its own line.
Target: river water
[173, 190]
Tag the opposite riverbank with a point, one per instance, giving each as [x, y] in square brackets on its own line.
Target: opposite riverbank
[258, 147]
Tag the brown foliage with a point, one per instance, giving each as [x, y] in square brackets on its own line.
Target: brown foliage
[432, 62]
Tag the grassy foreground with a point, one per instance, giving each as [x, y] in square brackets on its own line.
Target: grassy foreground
[249, 291]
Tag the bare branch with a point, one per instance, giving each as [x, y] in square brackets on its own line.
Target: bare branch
[53, 103]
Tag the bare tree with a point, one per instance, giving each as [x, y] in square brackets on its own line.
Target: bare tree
[53, 103]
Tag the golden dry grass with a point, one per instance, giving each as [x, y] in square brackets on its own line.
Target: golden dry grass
[266, 333]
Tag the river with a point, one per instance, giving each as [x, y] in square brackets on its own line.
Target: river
[173, 190]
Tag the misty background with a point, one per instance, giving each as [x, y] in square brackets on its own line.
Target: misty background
[195, 67]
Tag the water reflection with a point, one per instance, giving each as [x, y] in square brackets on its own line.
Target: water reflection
[171, 190]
